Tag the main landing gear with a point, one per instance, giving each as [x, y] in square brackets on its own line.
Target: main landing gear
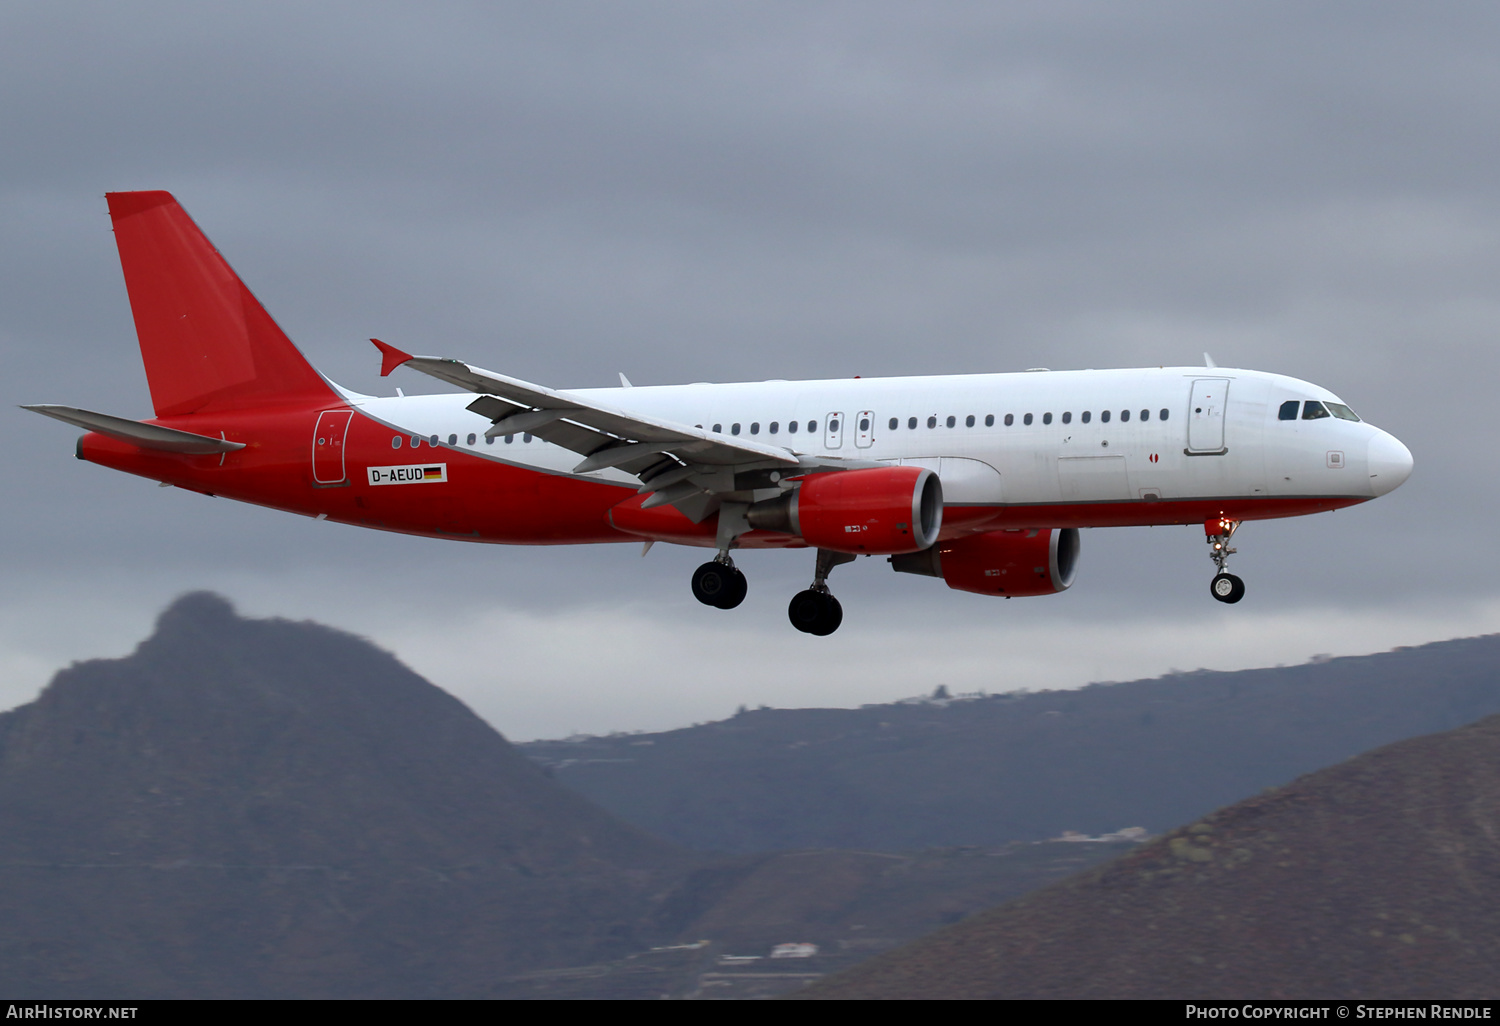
[815, 611]
[720, 583]
[1225, 586]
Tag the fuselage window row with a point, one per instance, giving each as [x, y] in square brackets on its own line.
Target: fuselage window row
[1311, 410]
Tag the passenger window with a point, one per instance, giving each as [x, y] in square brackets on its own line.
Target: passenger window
[894, 422]
[432, 440]
[864, 423]
[1161, 414]
[812, 427]
[1124, 416]
[1104, 416]
[396, 442]
[775, 427]
[1313, 410]
[1068, 418]
[489, 439]
[791, 426]
[911, 423]
[755, 427]
[471, 438]
[1026, 420]
[952, 421]
[833, 425]
[989, 420]
[1010, 418]
[416, 442]
[509, 439]
[969, 420]
[526, 437]
[718, 429]
[1087, 416]
[1046, 418]
[1288, 410]
[452, 439]
[734, 429]
[1145, 414]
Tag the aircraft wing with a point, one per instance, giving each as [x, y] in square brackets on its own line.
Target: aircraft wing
[679, 463]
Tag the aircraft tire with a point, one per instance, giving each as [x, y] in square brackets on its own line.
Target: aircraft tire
[714, 584]
[815, 612]
[833, 615]
[1227, 588]
[735, 593]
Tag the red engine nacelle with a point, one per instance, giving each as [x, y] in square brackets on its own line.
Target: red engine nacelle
[880, 510]
[1008, 563]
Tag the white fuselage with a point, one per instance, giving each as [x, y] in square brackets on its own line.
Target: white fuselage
[1039, 438]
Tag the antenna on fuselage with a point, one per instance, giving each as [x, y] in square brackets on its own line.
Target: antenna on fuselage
[1208, 361]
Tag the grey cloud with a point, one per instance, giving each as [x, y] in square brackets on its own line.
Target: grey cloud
[688, 191]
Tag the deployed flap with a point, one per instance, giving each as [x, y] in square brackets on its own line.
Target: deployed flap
[147, 436]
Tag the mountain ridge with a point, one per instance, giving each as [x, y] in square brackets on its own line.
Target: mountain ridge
[1021, 766]
[1377, 878]
[238, 800]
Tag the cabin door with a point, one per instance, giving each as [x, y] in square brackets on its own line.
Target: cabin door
[1206, 415]
[328, 446]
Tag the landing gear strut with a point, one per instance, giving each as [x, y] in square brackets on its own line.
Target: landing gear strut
[720, 583]
[1225, 586]
[815, 611]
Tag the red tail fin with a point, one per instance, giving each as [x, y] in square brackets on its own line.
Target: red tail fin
[207, 343]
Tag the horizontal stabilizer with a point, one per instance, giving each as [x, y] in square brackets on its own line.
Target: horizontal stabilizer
[147, 436]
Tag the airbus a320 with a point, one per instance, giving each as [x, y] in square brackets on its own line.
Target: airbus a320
[982, 480]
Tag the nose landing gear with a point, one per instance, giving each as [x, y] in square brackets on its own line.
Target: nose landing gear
[815, 611]
[1225, 586]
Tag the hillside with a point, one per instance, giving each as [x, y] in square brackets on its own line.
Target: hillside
[1376, 878]
[988, 771]
[260, 808]
[266, 808]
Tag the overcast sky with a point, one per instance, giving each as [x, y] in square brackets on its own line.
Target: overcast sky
[721, 191]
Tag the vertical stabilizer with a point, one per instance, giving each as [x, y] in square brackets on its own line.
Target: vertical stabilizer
[207, 343]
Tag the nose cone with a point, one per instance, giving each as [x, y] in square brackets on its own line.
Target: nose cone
[1389, 461]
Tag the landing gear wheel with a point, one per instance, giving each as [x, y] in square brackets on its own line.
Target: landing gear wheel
[1227, 588]
[739, 586]
[719, 584]
[815, 612]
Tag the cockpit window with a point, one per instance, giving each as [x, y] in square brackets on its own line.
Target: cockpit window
[1289, 409]
[1313, 410]
[1341, 411]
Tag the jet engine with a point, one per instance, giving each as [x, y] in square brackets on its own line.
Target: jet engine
[880, 510]
[1008, 563]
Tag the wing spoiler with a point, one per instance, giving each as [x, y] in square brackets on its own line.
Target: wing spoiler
[147, 436]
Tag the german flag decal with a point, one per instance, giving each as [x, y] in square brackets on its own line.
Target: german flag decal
[422, 473]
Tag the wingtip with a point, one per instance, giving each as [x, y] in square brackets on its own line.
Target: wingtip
[390, 357]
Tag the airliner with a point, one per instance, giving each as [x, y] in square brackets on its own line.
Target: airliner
[981, 480]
